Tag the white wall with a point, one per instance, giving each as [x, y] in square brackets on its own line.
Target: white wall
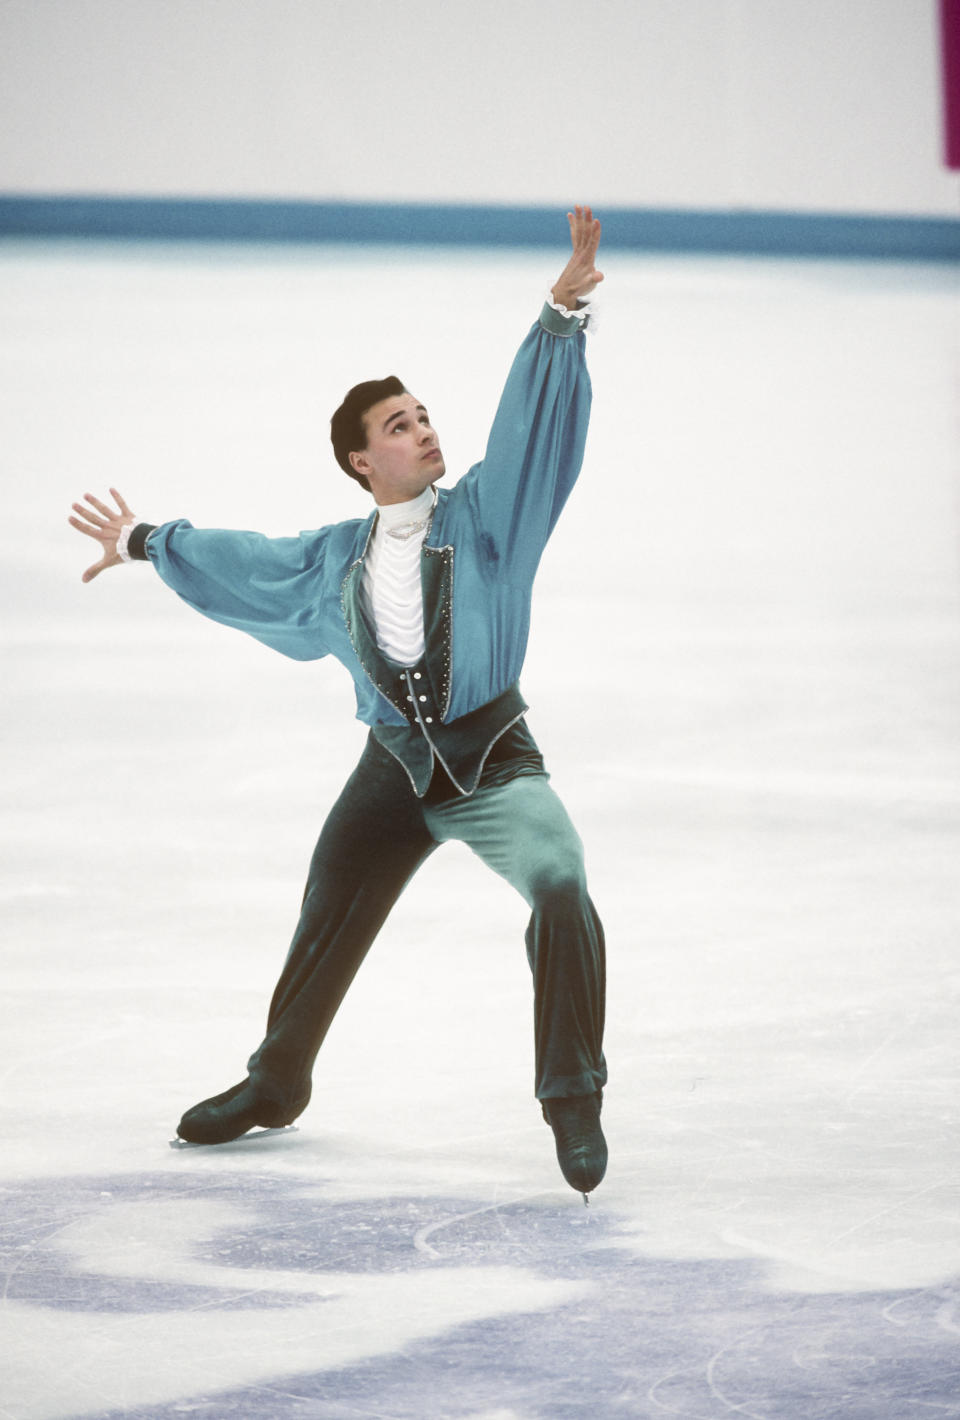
[829, 105]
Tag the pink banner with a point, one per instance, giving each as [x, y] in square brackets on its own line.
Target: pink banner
[950, 50]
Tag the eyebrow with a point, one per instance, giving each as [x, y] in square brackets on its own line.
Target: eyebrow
[399, 414]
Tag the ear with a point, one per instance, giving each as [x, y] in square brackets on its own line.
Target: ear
[359, 462]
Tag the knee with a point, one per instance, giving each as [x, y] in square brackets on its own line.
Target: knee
[558, 878]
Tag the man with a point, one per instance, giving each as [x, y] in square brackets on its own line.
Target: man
[427, 604]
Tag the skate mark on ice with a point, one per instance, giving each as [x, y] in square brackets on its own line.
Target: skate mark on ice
[712, 1367]
[896, 1207]
[420, 1240]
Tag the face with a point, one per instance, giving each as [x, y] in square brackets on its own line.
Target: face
[402, 456]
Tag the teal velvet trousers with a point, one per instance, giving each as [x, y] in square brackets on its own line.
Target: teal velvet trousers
[375, 838]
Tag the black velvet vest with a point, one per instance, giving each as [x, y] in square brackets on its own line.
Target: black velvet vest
[421, 693]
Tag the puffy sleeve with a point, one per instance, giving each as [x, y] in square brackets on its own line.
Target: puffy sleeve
[536, 444]
[271, 588]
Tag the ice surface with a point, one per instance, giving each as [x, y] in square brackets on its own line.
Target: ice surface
[744, 674]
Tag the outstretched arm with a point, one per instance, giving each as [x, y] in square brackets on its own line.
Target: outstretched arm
[105, 525]
[272, 588]
[580, 276]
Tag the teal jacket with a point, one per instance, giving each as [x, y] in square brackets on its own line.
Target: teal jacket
[302, 595]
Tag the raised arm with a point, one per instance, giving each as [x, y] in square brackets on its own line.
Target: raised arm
[536, 442]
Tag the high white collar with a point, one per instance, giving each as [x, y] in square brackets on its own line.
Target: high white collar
[393, 516]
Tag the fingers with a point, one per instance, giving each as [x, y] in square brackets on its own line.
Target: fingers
[105, 525]
[100, 507]
[107, 519]
[93, 528]
[580, 276]
[120, 503]
[584, 229]
[100, 522]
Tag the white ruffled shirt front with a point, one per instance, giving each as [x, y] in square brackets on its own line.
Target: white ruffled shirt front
[391, 577]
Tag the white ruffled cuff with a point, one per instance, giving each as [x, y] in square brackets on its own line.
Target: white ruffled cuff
[586, 312]
[584, 308]
[123, 541]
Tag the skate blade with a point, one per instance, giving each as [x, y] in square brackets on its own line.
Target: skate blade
[250, 1136]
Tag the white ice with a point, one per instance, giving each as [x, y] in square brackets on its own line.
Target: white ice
[745, 675]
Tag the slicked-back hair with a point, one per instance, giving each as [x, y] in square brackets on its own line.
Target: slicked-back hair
[348, 433]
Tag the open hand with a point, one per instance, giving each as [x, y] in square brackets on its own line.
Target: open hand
[580, 276]
[105, 524]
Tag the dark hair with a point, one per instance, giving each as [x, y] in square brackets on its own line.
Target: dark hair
[347, 429]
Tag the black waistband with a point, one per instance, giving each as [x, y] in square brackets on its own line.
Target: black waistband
[461, 746]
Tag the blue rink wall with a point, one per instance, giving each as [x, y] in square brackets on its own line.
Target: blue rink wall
[735, 231]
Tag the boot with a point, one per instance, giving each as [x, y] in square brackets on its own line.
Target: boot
[225, 1117]
[581, 1147]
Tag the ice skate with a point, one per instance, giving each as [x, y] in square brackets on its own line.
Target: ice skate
[226, 1117]
[581, 1147]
